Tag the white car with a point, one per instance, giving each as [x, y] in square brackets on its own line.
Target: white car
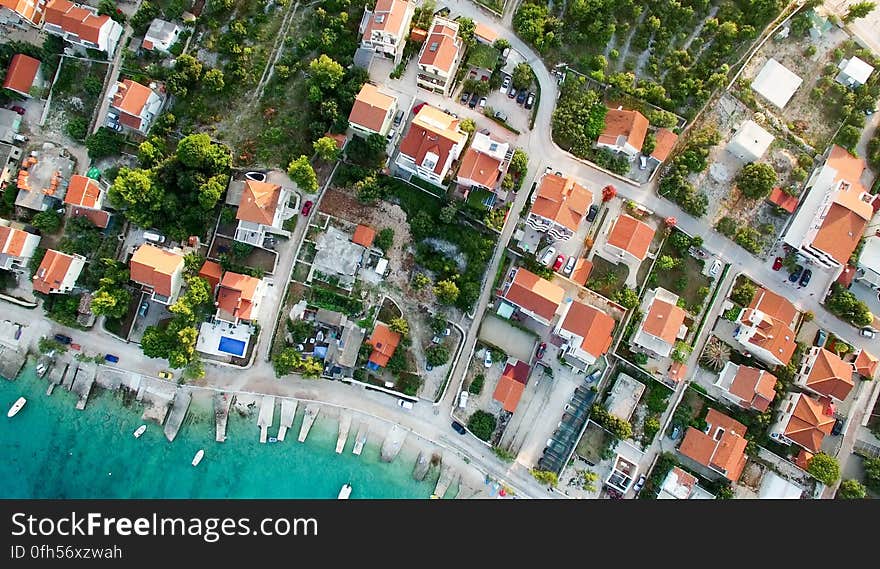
[569, 265]
[487, 360]
[463, 399]
[505, 84]
[549, 255]
[405, 404]
[715, 269]
[867, 332]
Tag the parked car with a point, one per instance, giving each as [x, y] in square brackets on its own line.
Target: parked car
[805, 278]
[398, 117]
[591, 215]
[715, 268]
[154, 237]
[463, 399]
[474, 100]
[867, 332]
[777, 263]
[505, 84]
[464, 97]
[391, 134]
[111, 358]
[521, 96]
[405, 404]
[558, 173]
[19, 138]
[145, 307]
[63, 339]
[821, 337]
[530, 101]
[307, 207]
[17, 109]
[796, 274]
[483, 102]
[542, 347]
[500, 115]
[115, 126]
[166, 375]
[641, 482]
[487, 359]
[643, 162]
[458, 428]
[548, 256]
[838, 427]
[569, 265]
[560, 259]
[511, 93]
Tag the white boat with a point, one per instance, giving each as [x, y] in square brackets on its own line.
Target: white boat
[42, 368]
[139, 431]
[16, 407]
[344, 492]
[198, 457]
[273, 439]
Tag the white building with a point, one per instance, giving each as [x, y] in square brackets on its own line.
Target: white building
[372, 112]
[161, 35]
[440, 57]
[385, 28]
[137, 105]
[868, 270]
[16, 246]
[662, 325]
[853, 72]
[484, 163]
[776, 83]
[750, 142]
[82, 26]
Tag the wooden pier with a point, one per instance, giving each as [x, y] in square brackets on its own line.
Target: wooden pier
[312, 411]
[344, 427]
[222, 403]
[361, 440]
[267, 415]
[288, 414]
[392, 444]
[179, 407]
[82, 383]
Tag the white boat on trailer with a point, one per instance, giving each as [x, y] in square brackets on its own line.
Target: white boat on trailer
[16, 407]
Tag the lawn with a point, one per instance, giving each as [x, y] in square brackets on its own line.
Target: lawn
[477, 198]
[606, 277]
[483, 56]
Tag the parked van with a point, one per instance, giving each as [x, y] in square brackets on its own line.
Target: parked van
[154, 237]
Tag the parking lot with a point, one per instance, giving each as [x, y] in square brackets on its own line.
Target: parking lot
[516, 115]
[155, 314]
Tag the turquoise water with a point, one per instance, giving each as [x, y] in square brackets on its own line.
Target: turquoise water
[52, 450]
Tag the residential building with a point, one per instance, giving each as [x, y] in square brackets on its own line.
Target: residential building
[238, 298]
[84, 192]
[748, 387]
[559, 205]
[680, 485]
[629, 239]
[213, 273]
[781, 199]
[664, 142]
[81, 25]
[853, 72]
[137, 105]
[624, 396]
[720, 447]
[16, 246]
[835, 213]
[750, 142]
[587, 331]
[161, 35]
[43, 179]
[804, 421]
[384, 342]
[484, 163]
[662, 324]
[342, 350]
[776, 83]
[774, 487]
[338, 259]
[624, 131]
[8, 154]
[363, 236]
[824, 373]
[158, 271]
[385, 28]
[260, 211]
[30, 10]
[535, 297]
[10, 125]
[440, 57]
[434, 141]
[766, 328]
[511, 384]
[58, 272]
[868, 268]
[484, 34]
[24, 76]
[372, 112]
[866, 364]
[622, 475]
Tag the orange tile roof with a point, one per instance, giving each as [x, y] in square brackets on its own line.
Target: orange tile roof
[483, 169]
[131, 97]
[388, 16]
[562, 200]
[237, 295]
[434, 131]
[418, 35]
[582, 270]
[259, 201]
[848, 167]
[154, 267]
[27, 9]
[772, 335]
[727, 453]
[82, 191]
[840, 232]
[664, 320]
[483, 31]
[211, 272]
[631, 235]
[809, 423]
[364, 235]
[531, 292]
[75, 20]
[865, 363]
[664, 141]
[511, 385]
[21, 73]
[441, 48]
[756, 387]
[830, 375]
[371, 107]
[783, 200]
[631, 125]
[677, 371]
[384, 342]
[774, 305]
[803, 458]
[12, 241]
[592, 325]
[52, 271]
[98, 217]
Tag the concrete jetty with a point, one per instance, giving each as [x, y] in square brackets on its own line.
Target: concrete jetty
[393, 442]
[179, 407]
[83, 382]
[67, 382]
[56, 375]
[222, 403]
[288, 414]
[312, 411]
[361, 440]
[11, 361]
[447, 473]
[267, 415]
[344, 427]
[421, 467]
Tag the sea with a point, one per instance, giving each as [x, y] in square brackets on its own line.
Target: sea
[52, 450]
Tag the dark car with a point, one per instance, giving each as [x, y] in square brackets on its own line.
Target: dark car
[17, 109]
[458, 428]
[511, 92]
[63, 339]
[521, 96]
[542, 347]
[111, 358]
[307, 207]
[805, 278]
[474, 99]
[397, 118]
[591, 215]
[821, 336]
[530, 101]
[796, 274]
[142, 311]
[838, 427]
[464, 97]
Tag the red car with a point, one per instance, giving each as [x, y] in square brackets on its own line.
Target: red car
[559, 261]
[17, 109]
[777, 263]
[541, 348]
[307, 207]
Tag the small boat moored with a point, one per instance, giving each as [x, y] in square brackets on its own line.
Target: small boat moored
[139, 431]
[273, 439]
[198, 457]
[16, 407]
[42, 368]
[344, 492]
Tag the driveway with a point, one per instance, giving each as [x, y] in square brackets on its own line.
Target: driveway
[516, 343]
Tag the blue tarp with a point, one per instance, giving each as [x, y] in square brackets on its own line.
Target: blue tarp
[231, 346]
[320, 352]
[373, 366]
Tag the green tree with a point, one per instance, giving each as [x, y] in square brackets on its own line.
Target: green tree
[743, 294]
[399, 325]
[447, 214]
[286, 361]
[522, 76]
[851, 490]
[327, 149]
[421, 225]
[468, 126]
[848, 136]
[103, 143]
[437, 355]
[545, 477]
[385, 239]
[482, 424]
[111, 302]
[325, 72]
[466, 30]
[579, 117]
[420, 281]
[846, 305]
[858, 10]
[447, 291]
[368, 190]
[48, 221]
[195, 369]
[149, 154]
[626, 297]
[519, 162]
[824, 468]
[756, 180]
[501, 44]
[872, 473]
[210, 191]
[667, 262]
[196, 151]
[213, 81]
[302, 173]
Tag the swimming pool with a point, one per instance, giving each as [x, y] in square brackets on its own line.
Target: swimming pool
[231, 346]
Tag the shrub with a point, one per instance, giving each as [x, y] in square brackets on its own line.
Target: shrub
[824, 468]
[385, 239]
[476, 386]
[743, 294]
[482, 425]
[618, 427]
[851, 490]
[437, 355]
[545, 476]
[872, 473]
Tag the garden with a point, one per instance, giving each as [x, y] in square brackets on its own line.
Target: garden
[678, 271]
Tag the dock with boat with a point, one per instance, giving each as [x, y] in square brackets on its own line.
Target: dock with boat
[312, 411]
[447, 474]
[344, 428]
[288, 414]
[267, 415]
[179, 407]
[222, 403]
[83, 382]
[361, 440]
[392, 444]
